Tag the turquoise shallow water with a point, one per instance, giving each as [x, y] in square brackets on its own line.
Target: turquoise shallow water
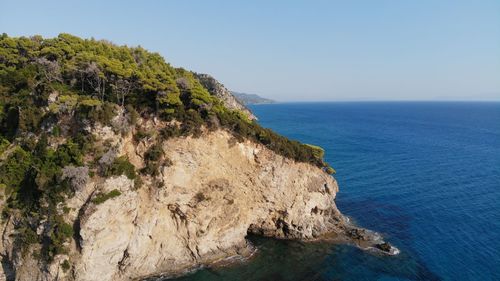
[425, 175]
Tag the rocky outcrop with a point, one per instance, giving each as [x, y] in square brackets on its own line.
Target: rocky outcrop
[201, 207]
[217, 89]
[198, 210]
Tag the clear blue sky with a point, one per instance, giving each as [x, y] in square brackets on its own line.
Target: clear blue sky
[298, 50]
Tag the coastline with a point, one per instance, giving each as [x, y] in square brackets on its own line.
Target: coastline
[354, 236]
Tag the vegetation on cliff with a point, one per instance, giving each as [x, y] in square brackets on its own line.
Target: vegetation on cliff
[53, 90]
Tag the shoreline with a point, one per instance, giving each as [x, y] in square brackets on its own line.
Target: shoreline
[365, 240]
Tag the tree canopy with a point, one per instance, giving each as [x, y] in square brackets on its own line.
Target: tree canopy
[91, 76]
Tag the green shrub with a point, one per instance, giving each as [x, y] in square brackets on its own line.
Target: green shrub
[317, 151]
[27, 235]
[330, 170]
[61, 233]
[56, 131]
[152, 157]
[244, 129]
[121, 166]
[101, 198]
[142, 134]
[14, 168]
[154, 153]
[65, 265]
[96, 111]
[170, 132]
[69, 153]
[138, 183]
[65, 230]
[4, 144]
[151, 168]
[132, 113]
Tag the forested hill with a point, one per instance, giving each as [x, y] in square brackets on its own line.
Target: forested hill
[93, 78]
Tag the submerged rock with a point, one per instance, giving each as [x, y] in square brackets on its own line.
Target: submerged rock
[387, 248]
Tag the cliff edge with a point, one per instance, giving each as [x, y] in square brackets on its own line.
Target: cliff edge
[197, 210]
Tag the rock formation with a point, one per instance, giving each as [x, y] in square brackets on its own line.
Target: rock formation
[198, 210]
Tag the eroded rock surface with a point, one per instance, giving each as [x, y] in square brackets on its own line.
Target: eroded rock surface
[198, 210]
[201, 207]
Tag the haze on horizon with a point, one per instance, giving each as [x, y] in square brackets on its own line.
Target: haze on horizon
[298, 50]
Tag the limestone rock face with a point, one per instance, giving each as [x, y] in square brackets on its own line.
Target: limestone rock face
[218, 90]
[198, 210]
[201, 208]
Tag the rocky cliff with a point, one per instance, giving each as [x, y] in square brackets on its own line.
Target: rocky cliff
[197, 210]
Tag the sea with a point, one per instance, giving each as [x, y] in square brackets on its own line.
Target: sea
[426, 175]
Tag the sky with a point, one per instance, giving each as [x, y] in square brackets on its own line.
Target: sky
[298, 50]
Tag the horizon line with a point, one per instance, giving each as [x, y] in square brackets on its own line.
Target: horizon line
[375, 101]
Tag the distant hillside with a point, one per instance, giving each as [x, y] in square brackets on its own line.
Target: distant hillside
[251, 98]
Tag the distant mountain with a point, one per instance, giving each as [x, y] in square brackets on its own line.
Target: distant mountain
[251, 98]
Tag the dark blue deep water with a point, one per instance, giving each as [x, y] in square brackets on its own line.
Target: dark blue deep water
[425, 175]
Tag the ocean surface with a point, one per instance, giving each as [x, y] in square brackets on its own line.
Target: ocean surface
[425, 175]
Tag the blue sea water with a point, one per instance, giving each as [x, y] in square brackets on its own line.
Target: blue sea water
[425, 175]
